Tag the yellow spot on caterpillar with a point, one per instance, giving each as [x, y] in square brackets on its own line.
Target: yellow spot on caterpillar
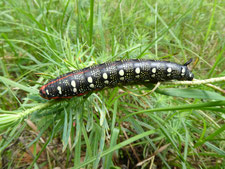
[59, 89]
[154, 70]
[121, 72]
[90, 80]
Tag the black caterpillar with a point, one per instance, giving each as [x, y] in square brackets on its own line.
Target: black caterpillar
[133, 71]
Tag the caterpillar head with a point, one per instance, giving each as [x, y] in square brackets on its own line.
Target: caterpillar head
[43, 93]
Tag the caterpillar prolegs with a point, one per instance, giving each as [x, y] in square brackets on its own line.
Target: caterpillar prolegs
[133, 71]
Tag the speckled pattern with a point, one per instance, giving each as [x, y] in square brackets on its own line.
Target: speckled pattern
[133, 71]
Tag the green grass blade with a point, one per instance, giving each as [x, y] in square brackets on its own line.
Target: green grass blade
[211, 136]
[184, 107]
[218, 59]
[18, 85]
[91, 21]
[116, 147]
[191, 93]
[113, 142]
[215, 148]
[211, 20]
[65, 137]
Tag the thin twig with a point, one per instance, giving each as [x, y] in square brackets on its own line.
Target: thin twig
[154, 154]
[132, 148]
[140, 95]
[27, 149]
[36, 131]
[200, 82]
[156, 86]
[216, 88]
[197, 82]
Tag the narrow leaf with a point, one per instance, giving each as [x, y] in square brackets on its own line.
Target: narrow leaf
[191, 93]
[18, 85]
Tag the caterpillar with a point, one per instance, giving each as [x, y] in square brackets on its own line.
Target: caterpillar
[132, 71]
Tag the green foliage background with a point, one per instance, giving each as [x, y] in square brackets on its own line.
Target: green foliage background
[175, 126]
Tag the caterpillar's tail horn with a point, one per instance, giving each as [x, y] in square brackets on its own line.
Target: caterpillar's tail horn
[188, 62]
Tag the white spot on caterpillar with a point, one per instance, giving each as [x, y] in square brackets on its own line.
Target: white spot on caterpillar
[90, 80]
[138, 70]
[73, 83]
[92, 85]
[137, 76]
[168, 74]
[182, 71]
[169, 69]
[47, 92]
[154, 70]
[121, 72]
[106, 82]
[190, 75]
[153, 75]
[122, 78]
[105, 76]
[74, 89]
[59, 89]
